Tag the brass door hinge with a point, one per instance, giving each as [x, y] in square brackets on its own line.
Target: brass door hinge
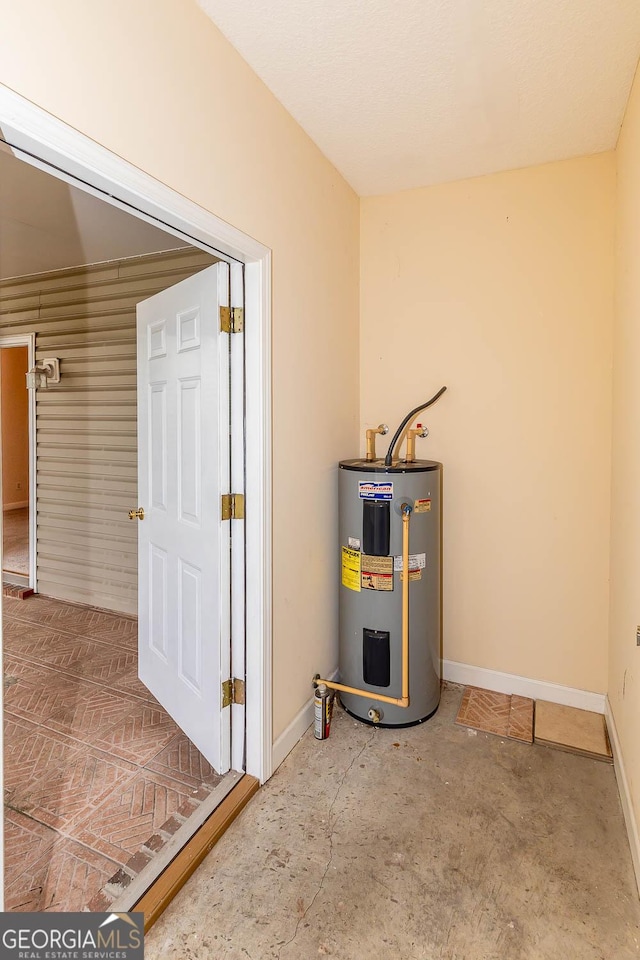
[232, 319]
[232, 692]
[233, 506]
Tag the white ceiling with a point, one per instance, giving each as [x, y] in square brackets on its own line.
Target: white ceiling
[47, 225]
[406, 93]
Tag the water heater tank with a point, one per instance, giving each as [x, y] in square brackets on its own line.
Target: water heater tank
[370, 526]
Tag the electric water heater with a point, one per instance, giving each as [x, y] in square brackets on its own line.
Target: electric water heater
[379, 507]
[390, 520]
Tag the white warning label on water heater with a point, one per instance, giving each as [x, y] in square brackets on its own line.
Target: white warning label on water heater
[372, 490]
[417, 561]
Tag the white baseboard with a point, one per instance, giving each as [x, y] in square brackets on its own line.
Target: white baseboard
[625, 794]
[16, 506]
[522, 686]
[287, 740]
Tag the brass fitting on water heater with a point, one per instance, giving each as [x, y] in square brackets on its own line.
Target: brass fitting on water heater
[382, 429]
[419, 431]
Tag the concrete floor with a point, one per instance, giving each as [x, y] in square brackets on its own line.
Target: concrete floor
[432, 843]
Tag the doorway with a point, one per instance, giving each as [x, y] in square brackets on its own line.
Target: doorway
[70, 628]
[17, 435]
[49, 144]
[95, 766]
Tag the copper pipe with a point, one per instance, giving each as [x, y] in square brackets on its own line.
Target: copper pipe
[418, 431]
[411, 446]
[406, 519]
[382, 429]
[398, 701]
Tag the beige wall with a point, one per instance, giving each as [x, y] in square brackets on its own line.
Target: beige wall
[198, 119]
[502, 284]
[624, 654]
[502, 288]
[15, 426]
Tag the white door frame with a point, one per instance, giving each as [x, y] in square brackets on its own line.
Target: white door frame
[49, 143]
[28, 340]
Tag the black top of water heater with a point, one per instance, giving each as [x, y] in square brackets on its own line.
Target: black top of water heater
[399, 466]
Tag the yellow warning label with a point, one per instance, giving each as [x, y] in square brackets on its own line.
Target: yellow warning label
[377, 564]
[377, 581]
[351, 568]
[422, 506]
[413, 575]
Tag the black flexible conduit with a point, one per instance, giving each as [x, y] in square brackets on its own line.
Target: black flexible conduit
[423, 406]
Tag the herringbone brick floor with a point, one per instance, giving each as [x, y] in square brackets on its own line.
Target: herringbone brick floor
[93, 764]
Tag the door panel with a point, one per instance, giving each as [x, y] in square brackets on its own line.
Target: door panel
[184, 549]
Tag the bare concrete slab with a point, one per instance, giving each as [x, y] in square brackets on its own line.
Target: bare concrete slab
[431, 843]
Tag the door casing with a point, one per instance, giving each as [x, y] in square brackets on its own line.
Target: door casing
[51, 145]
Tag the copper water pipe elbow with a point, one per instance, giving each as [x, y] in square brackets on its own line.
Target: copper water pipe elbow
[382, 429]
[418, 431]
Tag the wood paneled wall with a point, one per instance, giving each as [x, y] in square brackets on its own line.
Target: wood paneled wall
[86, 425]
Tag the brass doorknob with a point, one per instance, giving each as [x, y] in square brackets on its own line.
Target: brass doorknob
[136, 514]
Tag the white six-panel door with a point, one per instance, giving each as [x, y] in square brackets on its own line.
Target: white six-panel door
[183, 468]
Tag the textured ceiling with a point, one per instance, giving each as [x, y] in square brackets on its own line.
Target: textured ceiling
[47, 225]
[405, 93]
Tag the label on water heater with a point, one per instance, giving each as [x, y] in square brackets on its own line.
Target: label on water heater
[417, 561]
[372, 490]
[377, 573]
[351, 569]
[377, 581]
